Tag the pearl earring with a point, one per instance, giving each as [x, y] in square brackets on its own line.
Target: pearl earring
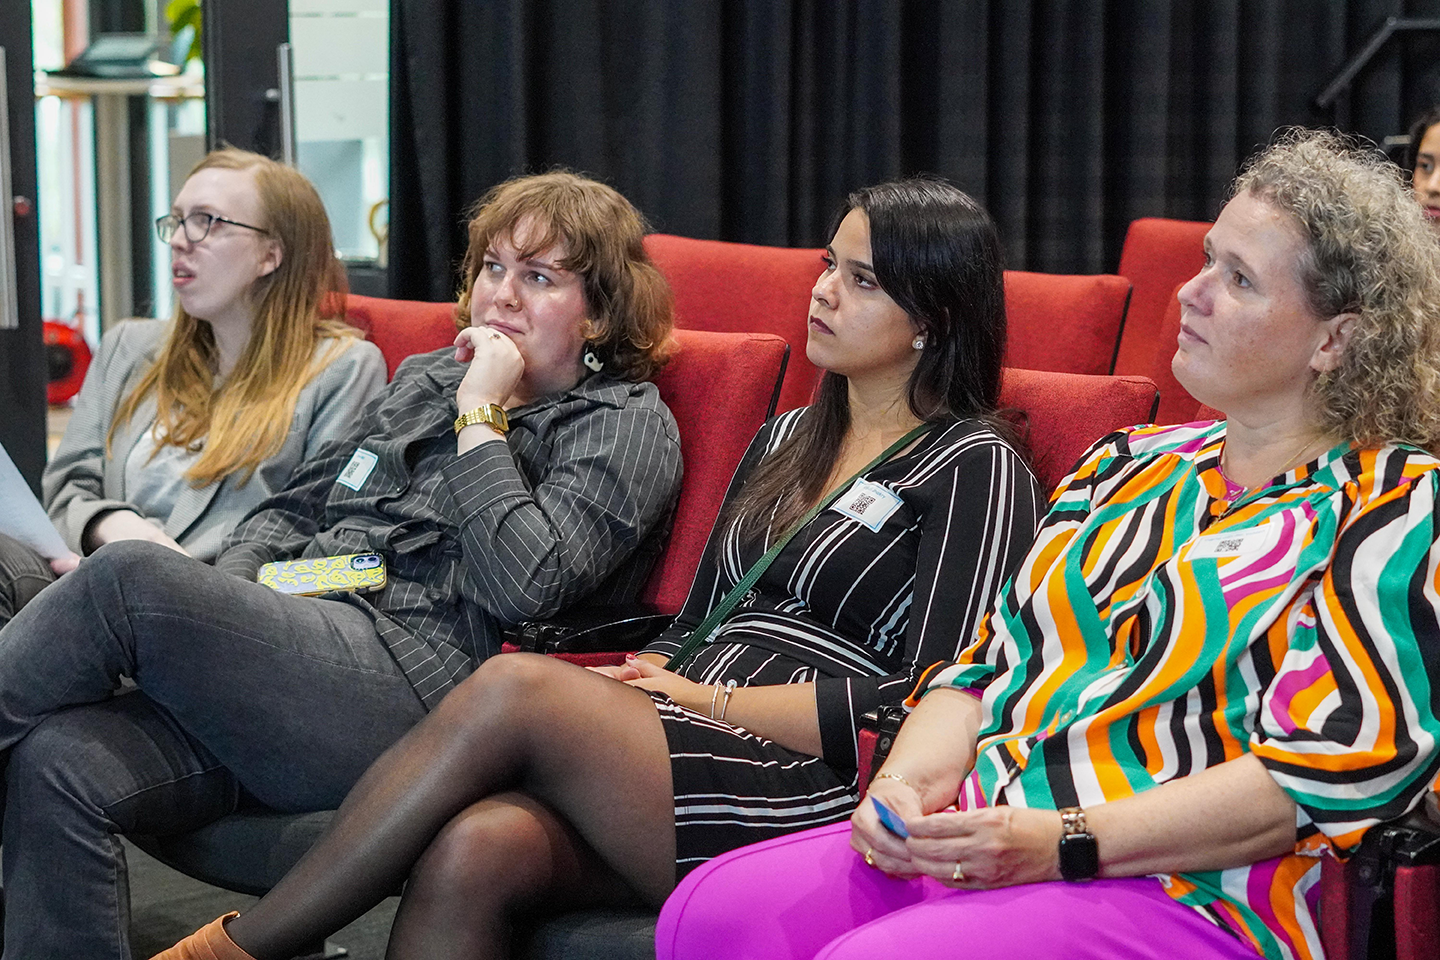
[919, 343]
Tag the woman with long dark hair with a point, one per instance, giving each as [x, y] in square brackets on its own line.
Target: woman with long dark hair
[1214, 669]
[1422, 159]
[881, 519]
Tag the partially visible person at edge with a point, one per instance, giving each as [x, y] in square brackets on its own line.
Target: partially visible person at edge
[1209, 673]
[183, 427]
[1422, 159]
[500, 480]
[538, 786]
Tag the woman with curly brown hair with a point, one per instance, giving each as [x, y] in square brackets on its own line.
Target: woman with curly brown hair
[1215, 666]
[538, 786]
[498, 481]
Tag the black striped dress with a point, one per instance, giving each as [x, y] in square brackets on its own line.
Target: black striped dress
[858, 612]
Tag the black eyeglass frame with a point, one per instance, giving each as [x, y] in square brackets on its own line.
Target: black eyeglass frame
[166, 226]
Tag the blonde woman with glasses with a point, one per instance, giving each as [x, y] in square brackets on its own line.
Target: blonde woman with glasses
[183, 426]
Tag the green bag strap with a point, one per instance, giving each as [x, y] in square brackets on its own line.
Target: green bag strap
[722, 609]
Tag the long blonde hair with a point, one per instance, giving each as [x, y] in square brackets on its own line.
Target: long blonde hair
[245, 420]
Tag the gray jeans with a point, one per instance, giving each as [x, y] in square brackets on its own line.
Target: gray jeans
[23, 574]
[239, 686]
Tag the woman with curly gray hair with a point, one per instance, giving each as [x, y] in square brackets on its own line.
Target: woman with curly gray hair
[1208, 672]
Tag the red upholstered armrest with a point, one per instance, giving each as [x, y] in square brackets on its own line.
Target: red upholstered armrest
[867, 739]
[579, 659]
[876, 736]
[1417, 912]
[1397, 866]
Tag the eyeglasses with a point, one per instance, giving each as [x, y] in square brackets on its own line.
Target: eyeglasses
[197, 226]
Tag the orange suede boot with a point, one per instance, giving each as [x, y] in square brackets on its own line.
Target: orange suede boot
[210, 942]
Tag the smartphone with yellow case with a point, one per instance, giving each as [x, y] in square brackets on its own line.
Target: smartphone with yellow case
[350, 573]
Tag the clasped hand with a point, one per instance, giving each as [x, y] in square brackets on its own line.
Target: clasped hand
[995, 846]
[648, 676]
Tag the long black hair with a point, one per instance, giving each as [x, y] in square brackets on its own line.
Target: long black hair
[936, 253]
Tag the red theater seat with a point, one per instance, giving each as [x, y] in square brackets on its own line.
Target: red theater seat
[1064, 413]
[1069, 323]
[742, 288]
[402, 327]
[721, 387]
[1158, 256]
[1176, 405]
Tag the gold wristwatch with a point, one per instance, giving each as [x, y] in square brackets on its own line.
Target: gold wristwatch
[492, 414]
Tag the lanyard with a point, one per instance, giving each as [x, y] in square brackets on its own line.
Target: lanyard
[722, 609]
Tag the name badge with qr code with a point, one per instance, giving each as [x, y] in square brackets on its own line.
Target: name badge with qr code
[358, 470]
[1234, 543]
[868, 503]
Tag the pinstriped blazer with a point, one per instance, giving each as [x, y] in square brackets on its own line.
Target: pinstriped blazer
[572, 503]
[82, 481]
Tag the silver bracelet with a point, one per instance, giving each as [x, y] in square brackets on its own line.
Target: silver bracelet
[715, 692]
[724, 704]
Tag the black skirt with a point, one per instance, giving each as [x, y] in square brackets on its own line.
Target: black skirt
[733, 788]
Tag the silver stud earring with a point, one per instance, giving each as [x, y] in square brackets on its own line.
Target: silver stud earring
[919, 343]
[592, 361]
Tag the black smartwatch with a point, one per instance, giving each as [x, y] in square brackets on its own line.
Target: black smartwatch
[1079, 853]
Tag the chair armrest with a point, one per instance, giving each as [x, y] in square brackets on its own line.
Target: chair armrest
[877, 731]
[604, 629]
[1409, 841]
[1382, 900]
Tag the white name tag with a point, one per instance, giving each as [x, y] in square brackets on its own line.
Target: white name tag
[869, 503]
[1233, 543]
[358, 470]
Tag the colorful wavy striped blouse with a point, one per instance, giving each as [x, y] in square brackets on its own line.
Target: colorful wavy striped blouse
[1156, 629]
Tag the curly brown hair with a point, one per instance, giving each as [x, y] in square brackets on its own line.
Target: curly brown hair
[628, 302]
[1369, 252]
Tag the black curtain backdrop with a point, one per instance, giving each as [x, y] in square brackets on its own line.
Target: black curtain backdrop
[750, 121]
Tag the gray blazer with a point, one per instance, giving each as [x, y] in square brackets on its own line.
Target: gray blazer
[81, 481]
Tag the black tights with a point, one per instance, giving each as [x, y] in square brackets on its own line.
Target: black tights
[534, 780]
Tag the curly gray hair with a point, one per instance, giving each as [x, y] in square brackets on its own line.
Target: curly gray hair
[1371, 253]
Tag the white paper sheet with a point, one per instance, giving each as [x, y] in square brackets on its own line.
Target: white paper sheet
[21, 515]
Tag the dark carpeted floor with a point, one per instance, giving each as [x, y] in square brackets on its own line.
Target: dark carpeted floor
[166, 905]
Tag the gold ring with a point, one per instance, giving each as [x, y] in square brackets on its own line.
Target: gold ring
[870, 857]
[957, 874]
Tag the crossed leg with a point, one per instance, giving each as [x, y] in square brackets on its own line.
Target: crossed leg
[505, 858]
[590, 750]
